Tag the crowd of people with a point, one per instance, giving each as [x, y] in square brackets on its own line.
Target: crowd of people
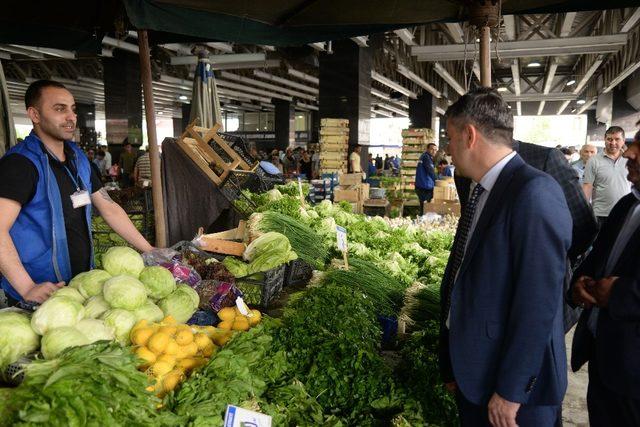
[130, 169]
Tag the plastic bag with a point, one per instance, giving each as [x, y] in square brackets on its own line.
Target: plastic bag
[215, 295]
[172, 260]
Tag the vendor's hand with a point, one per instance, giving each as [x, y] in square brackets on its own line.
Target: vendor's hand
[502, 413]
[42, 291]
[601, 290]
[580, 293]
[451, 387]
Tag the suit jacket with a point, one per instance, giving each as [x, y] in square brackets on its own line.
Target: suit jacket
[617, 342]
[506, 329]
[553, 162]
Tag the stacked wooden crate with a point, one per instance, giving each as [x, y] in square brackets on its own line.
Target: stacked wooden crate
[414, 144]
[334, 145]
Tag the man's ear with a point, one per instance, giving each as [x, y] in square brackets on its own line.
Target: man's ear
[33, 114]
[470, 135]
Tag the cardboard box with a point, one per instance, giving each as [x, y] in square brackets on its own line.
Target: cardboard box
[444, 193]
[350, 179]
[353, 193]
[442, 207]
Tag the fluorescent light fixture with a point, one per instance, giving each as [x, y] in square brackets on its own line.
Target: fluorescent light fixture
[393, 85]
[534, 64]
[183, 97]
[160, 113]
[581, 101]
[571, 82]
[503, 89]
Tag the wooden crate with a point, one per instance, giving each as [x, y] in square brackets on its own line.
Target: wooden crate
[334, 122]
[339, 139]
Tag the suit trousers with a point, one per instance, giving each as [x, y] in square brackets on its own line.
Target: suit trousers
[606, 407]
[472, 415]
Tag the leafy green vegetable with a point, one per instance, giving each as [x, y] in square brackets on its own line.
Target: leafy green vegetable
[125, 292]
[56, 312]
[181, 304]
[56, 340]
[16, 337]
[122, 260]
[158, 281]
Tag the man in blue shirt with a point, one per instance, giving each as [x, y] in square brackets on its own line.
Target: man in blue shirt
[426, 175]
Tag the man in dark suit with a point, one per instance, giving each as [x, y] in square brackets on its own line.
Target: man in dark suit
[501, 336]
[585, 227]
[607, 285]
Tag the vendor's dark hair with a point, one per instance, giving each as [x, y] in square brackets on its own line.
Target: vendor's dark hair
[614, 129]
[486, 110]
[34, 91]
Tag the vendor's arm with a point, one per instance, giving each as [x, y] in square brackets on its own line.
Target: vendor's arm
[118, 219]
[11, 266]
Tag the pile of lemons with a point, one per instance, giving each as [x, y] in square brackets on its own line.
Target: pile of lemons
[171, 351]
[232, 319]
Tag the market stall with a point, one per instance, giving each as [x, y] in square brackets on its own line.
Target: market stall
[165, 339]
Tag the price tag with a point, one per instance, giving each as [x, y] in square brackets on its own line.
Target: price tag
[341, 235]
[240, 417]
[242, 307]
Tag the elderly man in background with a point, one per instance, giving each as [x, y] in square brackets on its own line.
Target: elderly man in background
[586, 152]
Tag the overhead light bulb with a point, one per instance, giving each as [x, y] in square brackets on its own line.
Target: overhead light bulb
[571, 82]
[182, 97]
[580, 101]
[534, 64]
[160, 113]
[502, 89]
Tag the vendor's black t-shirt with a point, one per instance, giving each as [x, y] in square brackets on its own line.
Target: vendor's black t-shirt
[18, 180]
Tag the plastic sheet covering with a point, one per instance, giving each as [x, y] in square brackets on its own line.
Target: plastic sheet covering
[191, 199]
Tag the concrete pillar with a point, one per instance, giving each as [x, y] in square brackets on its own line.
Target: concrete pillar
[345, 88]
[422, 111]
[123, 98]
[285, 124]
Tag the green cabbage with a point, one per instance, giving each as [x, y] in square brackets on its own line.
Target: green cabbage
[124, 292]
[95, 330]
[149, 311]
[90, 283]
[191, 292]
[180, 304]
[159, 282]
[122, 260]
[16, 336]
[122, 321]
[69, 293]
[267, 243]
[274, 194]
[271, 260]
[56, 312]
[58, 339]
[95, 307]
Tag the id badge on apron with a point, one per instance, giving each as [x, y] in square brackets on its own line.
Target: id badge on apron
[80, 199]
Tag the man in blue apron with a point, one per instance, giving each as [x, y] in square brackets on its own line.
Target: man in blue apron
[47, 190]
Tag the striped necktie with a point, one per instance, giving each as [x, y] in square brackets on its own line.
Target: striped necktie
[460, 243]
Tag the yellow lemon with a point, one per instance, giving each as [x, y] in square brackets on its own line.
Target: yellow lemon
[141, 335]
[147, 355]
[158, 342]
[240, 324]
[202, 340]
[161, 368]
[226, 325]
[184, 337]
[226, 313]
[254, 317]
[169, 320]
[172, 347]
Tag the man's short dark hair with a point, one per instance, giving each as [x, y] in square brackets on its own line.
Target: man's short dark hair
[429, 145]
[443, 162]
[34, 91]
[486, 110]
[614, 129]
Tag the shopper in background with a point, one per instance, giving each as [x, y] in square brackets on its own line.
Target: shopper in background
[127, 163]
[100, 162]
[91, 154]
[107, 160]
[586, 152]
[355, 164]
[445, 170]
[142, 171]
[379, 162]
[502, 337]
[605, 175]
[607, 285]
[372, 170]
[47, 195]
[315, 159]
[426, 175]
[306, 165]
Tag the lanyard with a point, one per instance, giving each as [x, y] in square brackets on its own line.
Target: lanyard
[76, 181]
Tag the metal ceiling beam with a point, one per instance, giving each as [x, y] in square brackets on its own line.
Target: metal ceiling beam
[215, 60]
[225, 47]
[587, 75]
[392, 109]
[418, 80]
[564, 105]
[303, 76]
[406, 36]
[509, 26]
[631, 21]
[242, 79]
[442, 72]
[361, 41]
[623, 75]
[320, 46]
[567, 24]
[58, 53]
[307, 106]
[381, 112]
[244, 88]
[528, 48]
[536, 97]
[455, 31]
[551, 72]
[119, 44]
[393, 85]
[290, 83]
[179, 48]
